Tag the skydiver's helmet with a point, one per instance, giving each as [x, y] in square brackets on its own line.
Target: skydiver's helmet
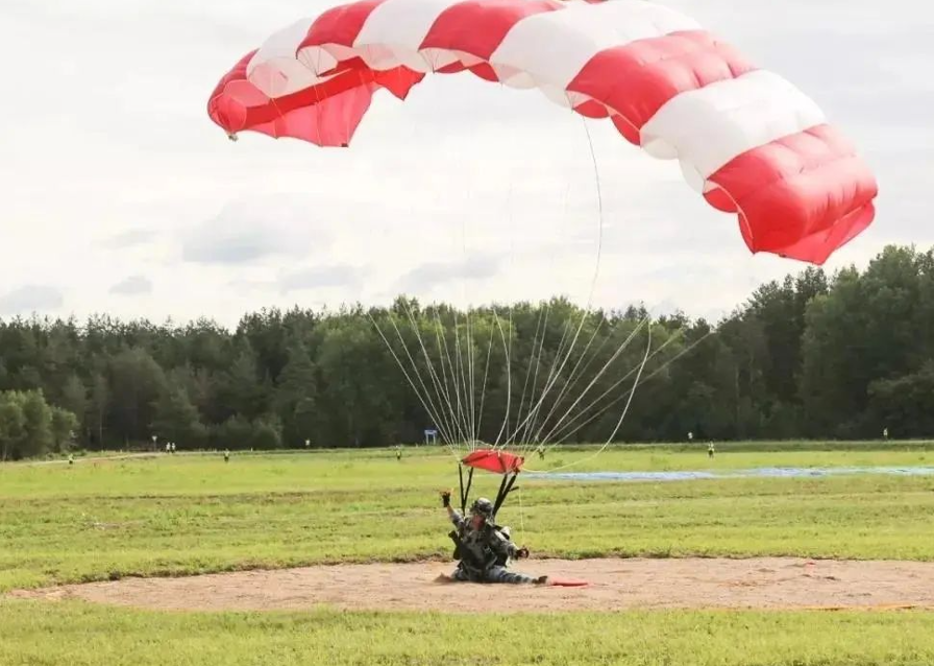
[482, 507]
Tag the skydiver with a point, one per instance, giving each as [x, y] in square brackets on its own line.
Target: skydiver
[483, 549]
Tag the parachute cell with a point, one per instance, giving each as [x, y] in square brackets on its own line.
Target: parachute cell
[747, 140]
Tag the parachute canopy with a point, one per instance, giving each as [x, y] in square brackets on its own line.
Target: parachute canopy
[747, 140]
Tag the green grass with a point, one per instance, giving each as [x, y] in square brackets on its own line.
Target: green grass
[191, 514]
[165, 515]
[82, 635]
[379, 470]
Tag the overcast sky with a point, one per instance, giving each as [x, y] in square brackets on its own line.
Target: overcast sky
[120, 195]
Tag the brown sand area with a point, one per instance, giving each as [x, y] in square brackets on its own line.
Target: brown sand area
[613, 584]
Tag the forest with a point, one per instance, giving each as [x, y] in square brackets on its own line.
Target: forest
[839, 356]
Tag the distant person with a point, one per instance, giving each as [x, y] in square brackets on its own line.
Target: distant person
[710, 450]
[71, 459]
[399, 452]
[226, 455]
[885, 433]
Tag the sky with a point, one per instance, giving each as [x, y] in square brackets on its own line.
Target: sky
[120, 196]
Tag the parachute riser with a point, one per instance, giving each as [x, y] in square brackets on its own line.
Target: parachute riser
[465, 491]
[505, 487]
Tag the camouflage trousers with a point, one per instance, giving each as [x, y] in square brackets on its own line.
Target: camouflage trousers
[494, 574]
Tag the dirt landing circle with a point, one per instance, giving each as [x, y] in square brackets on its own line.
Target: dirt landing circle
[615, 584]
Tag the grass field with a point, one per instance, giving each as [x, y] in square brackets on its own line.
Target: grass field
[186, 514]
[84, 635]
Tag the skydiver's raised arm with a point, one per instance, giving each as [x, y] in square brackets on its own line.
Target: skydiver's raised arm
[454, 515]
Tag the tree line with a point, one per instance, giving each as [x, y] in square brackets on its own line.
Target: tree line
[811, 356]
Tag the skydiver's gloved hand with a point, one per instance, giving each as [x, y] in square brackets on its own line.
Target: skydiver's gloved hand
[523, 552]
[446, 498]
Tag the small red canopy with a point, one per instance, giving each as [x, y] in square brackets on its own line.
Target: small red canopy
[499, 462]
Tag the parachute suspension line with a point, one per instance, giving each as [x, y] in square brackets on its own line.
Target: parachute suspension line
[512, 338]
[451, 423]
[486, 373]
[465, 376]
[540, 342]
[622, 416]
[442, 397]
[521, 516]
[472, 357]
[555, 432]
[448, 371]
[442, 337]
[596, 178]
[463, 399]
[596, 400]
[440, 383]
[440, 415]
[507, 345]
[471, 397]
[551, 380]
[523, 425]
[458, 371]
[507, 348]
[432, 412]
[538, 365]
[572, 380]
[593, 283]
[430, 407]
[661, 368]
[465, 490]
[468, 377]
[575, 376]
[536, 350]
[593, 381]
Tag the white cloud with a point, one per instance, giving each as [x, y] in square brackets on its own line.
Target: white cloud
[128, 176]
[321, 277]
[131, 238]
[434, 274]
[31, 298]
[251, 230]
[134, 285]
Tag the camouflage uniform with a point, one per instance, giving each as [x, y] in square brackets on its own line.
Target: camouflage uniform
[484, 554]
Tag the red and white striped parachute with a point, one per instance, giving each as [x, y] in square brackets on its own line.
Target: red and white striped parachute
[746, 138]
